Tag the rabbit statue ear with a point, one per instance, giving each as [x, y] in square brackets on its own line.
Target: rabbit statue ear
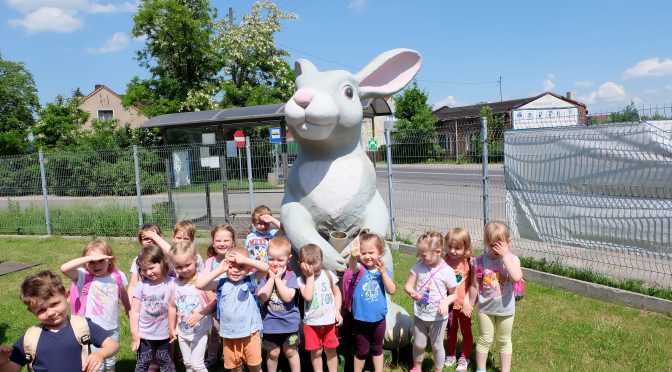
[303, 66]
[388, 73]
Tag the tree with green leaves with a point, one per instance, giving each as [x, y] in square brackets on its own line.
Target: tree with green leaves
[178, 53]
[19, 105]
[415, 136]
[629, 114]
[60, 123]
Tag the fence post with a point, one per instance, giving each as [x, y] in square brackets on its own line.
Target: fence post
[225, 186]
[138, 190]
[250, 188]
[45, 193]
[390, 191]
[486, 191]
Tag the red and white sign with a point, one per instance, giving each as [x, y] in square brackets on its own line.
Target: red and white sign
[239, 137]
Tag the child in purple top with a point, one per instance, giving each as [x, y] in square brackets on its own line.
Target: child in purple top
[278, 294]
[149, 311]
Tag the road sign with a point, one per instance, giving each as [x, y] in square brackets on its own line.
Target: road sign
[275, 135]
[373, 144]
[239, 137]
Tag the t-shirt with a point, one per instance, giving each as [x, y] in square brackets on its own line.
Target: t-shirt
[368, 300]
[59, 350]
[279, 316]
[190, 299]
[495, 295]
[463, 281]
[239, 314]
[102, 302]
[321, 310]
[433, 284]
[257, 244]
[154, 300]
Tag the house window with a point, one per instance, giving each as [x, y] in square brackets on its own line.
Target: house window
[105, 115]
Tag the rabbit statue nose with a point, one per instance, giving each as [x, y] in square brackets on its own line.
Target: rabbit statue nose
[303, 97]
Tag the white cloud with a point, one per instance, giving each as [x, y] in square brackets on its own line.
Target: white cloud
[28, 6]
[651, 67]
[48, 19]
[549, 83]
[115, 43]
[668, 87]
[584, 84]
[651, 91]
[357, 5]
[126, 7]
[449, 101]
[607, 92]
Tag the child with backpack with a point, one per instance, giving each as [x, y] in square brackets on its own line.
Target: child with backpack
[278, 296]
[59, 342]
[457, 245]
[150, 329]
[223, 238]
[97, 288]
[322, 308]
[369, 303]
[431, 285]
[190, 308]
[492, 286]
[237, 307]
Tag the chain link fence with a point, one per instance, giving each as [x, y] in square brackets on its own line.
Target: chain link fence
[438, 182]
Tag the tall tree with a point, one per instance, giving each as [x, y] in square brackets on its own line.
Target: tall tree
[255, 69]
[60, 122]
[178, 53]
[19, 105]
[629, 114]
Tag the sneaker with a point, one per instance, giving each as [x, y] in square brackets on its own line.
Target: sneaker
[210, 362]
[450, 361]
[462, 364]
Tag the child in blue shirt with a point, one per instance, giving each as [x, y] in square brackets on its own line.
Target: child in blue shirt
[257, 241]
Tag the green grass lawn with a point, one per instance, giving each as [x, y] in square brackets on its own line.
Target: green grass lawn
[553, 330]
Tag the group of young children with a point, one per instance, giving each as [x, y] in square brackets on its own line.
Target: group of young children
[247, 299]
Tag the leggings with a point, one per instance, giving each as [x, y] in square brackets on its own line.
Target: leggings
[434, 329]
[488, 326]
[462, 322]
[368, 338]
[193, 351]
[162, 349]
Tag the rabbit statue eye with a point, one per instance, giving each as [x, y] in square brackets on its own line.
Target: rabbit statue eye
[348, 91]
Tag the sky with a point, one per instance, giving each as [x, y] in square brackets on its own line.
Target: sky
[609, 53]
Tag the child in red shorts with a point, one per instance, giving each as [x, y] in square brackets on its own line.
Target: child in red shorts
[322, 307]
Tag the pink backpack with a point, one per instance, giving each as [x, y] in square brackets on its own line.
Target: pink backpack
[78, 301]
[350, 282]
[518, 287]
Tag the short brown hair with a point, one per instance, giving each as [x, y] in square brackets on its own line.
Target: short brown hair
[311, 254]
[495, 231]
[461, 236]
[148, 227]
[260, 211]
[187, 227]
[102, 247]
[282, 244]
[153, 254]
[41, 287]
[378, 241]
[237, 249]
[222, 227]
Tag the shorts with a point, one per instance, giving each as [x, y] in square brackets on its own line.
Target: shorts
[317, 336]
[276, 340]
[239, 351]
[108, 363]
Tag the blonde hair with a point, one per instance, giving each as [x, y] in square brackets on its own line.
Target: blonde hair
[260, 211]
[282, 244]
[311, 254]
[237, 249]
[461, 236]
[153, 254]
[41, 287]
[148, 227]
[220, 228]
[433, 239]
[183, 247]
[186, 227]
[378, 241]
[102, 247]
[495, 231]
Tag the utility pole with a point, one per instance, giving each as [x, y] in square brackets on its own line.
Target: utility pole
[230, 16]
[500, 86]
